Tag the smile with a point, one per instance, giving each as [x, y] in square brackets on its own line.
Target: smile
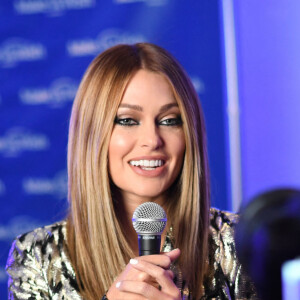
[147, 164]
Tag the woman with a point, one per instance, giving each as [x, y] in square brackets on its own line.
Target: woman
[136, 134]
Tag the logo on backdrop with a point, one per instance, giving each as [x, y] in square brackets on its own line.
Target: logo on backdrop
[59, 92]
[56, 186]
[148, 2]
[50, 6]
[16, 50]
[104, 40]
[198, 84]
[18, 139]
[2, 188]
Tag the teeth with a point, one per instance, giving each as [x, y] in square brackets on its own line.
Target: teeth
[147, 163]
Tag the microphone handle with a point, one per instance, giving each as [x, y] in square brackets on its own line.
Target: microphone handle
[149, 244]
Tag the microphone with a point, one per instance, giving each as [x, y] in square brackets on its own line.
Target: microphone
[149, 220]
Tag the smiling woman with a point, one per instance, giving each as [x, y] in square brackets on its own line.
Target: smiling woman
[137, 134]
[147, 144]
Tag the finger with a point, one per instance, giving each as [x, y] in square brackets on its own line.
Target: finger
[143, 289]
[123, 295]
[152, 281]
[170, 274]
[161, 275]
[134, 274]
[173, 255]
[115, 293]
[161, 260]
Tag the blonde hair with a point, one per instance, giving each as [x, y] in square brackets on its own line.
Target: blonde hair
[97, 245]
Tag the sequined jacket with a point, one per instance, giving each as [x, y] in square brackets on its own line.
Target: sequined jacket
[39, 267]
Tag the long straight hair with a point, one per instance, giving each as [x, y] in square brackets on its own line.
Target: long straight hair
[97, 245]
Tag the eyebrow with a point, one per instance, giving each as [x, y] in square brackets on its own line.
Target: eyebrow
[140, 108]
[135, 107]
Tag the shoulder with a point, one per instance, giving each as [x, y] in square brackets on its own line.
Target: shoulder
[221, 235]
[49, 235]
[221, 231]
[36, 246]
[221, 241]
[226, 275]
[44, 232]
[220, 219]
[227, 272]
[38, 266]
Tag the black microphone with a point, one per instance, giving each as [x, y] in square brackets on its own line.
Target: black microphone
[149, 220]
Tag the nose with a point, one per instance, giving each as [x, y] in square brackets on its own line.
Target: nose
[150, 136]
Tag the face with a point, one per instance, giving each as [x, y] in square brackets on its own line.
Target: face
[147, 145]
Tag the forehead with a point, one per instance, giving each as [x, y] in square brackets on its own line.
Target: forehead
[148, 88]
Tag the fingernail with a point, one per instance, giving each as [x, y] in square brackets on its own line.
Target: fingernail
[118, 284]
[133, 261]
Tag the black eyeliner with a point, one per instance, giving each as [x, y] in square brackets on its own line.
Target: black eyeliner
[120, 121]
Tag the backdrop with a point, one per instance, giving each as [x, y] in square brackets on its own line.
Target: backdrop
[45, 46]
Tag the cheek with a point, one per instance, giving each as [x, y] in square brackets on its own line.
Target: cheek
[119, 146]
[178, 146]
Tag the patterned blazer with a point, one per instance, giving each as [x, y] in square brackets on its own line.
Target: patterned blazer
[39, 267]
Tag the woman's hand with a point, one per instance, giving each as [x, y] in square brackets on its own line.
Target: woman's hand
[147, 277]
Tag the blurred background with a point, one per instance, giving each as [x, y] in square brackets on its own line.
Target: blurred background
[242, 56]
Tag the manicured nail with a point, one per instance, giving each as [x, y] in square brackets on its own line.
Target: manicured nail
[118, 284]
[133, 261]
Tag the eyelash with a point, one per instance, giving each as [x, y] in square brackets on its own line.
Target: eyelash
[173, 121]
[125, 121]
[131, 122]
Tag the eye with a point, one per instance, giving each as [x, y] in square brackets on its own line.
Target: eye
[171, 122]
[125, 121]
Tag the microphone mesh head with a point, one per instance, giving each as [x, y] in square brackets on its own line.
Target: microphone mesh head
[149, 218]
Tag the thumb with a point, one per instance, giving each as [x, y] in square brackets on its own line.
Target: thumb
[174, 254]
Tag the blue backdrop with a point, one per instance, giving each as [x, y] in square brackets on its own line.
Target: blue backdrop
[45, 46]
[268, 51]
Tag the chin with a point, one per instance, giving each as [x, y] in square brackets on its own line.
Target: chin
[150, 194]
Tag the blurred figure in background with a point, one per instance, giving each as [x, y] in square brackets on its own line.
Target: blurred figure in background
[267, 235]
